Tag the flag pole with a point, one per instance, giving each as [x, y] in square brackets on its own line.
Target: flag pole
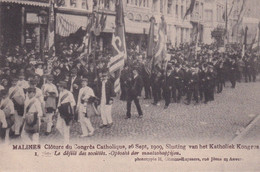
[258, 39]
[226, 25]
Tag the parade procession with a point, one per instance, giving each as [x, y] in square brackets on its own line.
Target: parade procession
[72, 68]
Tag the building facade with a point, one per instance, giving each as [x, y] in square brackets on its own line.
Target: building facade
[213, 18]
[31, 20]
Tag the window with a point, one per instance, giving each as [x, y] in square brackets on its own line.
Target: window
[84, 4]
[161, 6]
[176, 11]
[208, 15]
[182, 11]
[202, 10]
[169, 8]
[73, 3]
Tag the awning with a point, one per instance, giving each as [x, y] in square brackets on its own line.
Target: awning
[67, 24]
[40, 3]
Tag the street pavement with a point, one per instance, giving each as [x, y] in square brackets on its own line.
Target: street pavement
[220, 120]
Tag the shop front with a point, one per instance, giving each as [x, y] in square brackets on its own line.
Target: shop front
[23, 23]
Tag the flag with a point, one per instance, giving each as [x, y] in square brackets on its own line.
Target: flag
[255, 41]
[151, 42]
[197, 40]
[231, 9]
[150, 48]
[245, 42]
[240, 17]
[190, 9]
[50, 38]
[117, 62]
[160, 48]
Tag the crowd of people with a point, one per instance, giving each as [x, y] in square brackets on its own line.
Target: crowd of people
[195, 75]
[33, 90]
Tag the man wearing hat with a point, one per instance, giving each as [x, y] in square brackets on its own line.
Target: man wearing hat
[3, 126]
[107, 92]
[32, 114]
[7, 106]
[38, 93]
[66, 104]
[74, 83]
[84, 94]
[16, 94]
[22, 82]
[39, 68]
[50, 94]
[134, 86]
[167, 87]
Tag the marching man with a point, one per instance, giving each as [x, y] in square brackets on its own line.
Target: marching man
[3, 125]
[7, 106]
[66, 104]
[32, 114]
[84, 94]
[38, 94]
[22, 82]
[50, 94]
[16, 94]
[107, 91]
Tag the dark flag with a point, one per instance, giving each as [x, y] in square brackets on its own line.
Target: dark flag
[255, 41]
[50, 37]
[117, 62]
[150, 47]
[190, 9]
[151, 42]
[245, 42]
[160, 48]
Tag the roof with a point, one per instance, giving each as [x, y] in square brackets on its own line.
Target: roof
[42, 3]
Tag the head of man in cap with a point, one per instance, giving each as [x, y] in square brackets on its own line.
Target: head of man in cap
[21, 76]
[14, 81]
[31, 92]
[104, 76]
[73, 73]
[49, 78]
[84, 82]
[3, 94]
[62, 85]
[33, 83]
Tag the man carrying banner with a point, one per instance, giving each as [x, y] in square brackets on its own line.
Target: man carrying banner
[84, 94]
[50, 93]
[16, 94]
[66, 104]
[32, 114]
[7, 106]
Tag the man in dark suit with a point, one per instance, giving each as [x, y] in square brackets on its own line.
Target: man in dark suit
[134, 88]
[74, 84]
[167, 87]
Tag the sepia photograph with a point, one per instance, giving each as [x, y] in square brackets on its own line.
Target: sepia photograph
[129, 85]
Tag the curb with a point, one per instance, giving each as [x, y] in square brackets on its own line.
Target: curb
[246, 129]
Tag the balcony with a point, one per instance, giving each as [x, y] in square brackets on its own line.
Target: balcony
[105, 6]
[78, 6]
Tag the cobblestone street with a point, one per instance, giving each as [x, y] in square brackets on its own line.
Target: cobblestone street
[220, 120]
